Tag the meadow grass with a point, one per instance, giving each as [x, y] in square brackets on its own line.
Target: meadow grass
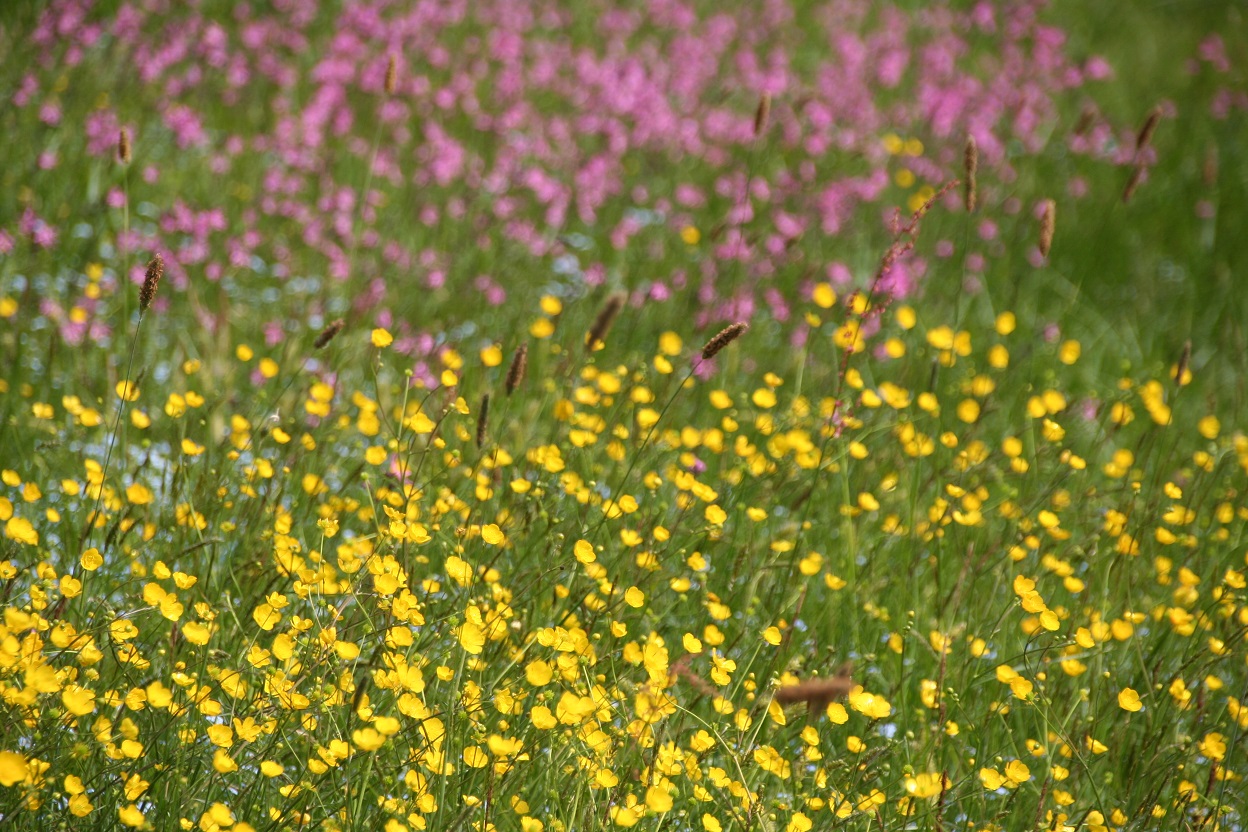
[386, 470]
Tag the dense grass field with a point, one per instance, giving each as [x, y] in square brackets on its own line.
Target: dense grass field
[509, 415]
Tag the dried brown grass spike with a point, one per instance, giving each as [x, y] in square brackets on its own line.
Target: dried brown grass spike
[515, 373]
[123, 146]
[1185, 358]
[151, 279]
[328, 334]
[1048, 225]
[723, 338]
[681, 670]
[762, 114]
[1145, 136]
[392, 74]
[483, 419]
[1086, 119]
[606, 317]
[818, 693]
[970, 163]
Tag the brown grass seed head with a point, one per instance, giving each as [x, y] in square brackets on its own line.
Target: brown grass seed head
[818, 693]
[1185, 358]
[723, 338]
[606, 317]
[1145, 136]
[762, 114]
[151, 279]
[483, 418]
[515, 373]
[1048, 224]
[392, 74]
[970, 162]
[328, 334]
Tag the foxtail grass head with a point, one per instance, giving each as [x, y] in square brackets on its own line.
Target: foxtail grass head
[392, 75]
[483, 420]
[515, 373]
[970, 165]
[762, 114]
[123, 146]
[1145, 135]
[1048, 225]
[597, 335]
[723, 338]
[1181, 374]
[328, 334]
[818, 693]
[151, 279]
